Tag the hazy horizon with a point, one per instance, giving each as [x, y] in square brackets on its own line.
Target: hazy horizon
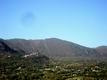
[80, 21]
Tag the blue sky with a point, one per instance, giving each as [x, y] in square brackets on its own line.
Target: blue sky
[80, 21]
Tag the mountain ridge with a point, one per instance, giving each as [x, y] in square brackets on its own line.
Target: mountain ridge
[54, 47]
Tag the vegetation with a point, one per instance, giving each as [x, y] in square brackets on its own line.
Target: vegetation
[38, 68]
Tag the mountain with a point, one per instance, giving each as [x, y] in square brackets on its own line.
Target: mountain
[5, 48]
[8, 51]
[102, 50]
[55, 48]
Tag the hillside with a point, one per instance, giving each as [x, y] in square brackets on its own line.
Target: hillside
[10, 52]
[55, 48]
[102, 50]
[51, 59]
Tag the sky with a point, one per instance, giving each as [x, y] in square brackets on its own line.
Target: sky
[81, 21]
